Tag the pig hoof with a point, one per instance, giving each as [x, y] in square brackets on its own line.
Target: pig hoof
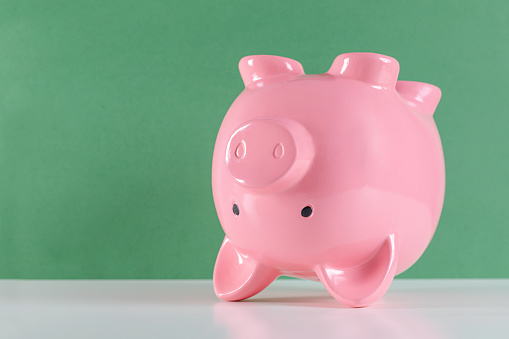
[238, 276]
[362, 285]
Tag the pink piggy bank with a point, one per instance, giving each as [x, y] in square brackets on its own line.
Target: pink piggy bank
[336, 177]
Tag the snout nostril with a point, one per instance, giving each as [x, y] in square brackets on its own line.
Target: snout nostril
[240, 151]
[279, 151]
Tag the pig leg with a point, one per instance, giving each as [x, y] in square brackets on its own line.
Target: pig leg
[363, 284]
[238, 276]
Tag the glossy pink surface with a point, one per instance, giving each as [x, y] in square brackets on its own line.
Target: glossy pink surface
[337, 177]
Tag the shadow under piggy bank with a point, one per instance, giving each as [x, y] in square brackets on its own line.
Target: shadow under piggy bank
[315, 314]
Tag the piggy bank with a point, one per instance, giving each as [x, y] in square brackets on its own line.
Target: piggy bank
[336, 177]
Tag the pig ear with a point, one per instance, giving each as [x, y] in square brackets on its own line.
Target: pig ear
[260, 69]
[375, 69]
[422, 97]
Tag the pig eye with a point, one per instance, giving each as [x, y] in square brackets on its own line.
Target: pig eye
[235, 209]
[306, 211]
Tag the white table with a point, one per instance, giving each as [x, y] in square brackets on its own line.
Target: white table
[287, 309]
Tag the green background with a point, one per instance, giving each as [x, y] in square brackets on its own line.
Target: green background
[109, 112]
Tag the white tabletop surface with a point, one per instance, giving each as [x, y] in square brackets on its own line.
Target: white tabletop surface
[286, 309]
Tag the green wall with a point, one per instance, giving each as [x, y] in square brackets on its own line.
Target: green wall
[109, 112]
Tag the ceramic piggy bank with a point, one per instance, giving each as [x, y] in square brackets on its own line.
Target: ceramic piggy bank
[336, 177]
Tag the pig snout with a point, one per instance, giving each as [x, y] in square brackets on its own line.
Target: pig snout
[269, 154]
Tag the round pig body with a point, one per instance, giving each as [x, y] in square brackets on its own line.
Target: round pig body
[337, 177]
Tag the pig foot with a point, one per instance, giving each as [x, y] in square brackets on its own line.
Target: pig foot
[238, 276]
[362, 285]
